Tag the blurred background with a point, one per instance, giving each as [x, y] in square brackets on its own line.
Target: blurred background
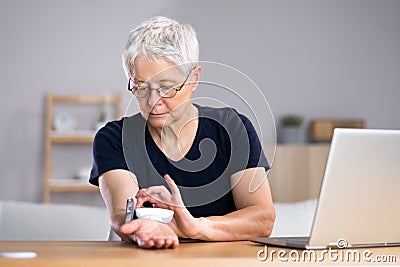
[313, 59]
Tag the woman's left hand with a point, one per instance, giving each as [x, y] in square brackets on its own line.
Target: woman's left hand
[183, 223]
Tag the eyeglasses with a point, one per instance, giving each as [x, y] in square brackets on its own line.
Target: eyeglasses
[163, 91]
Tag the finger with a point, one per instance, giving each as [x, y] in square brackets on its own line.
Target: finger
[154, 195]
[175, 243]
[148, 244]
[155, 200]
[142, 199]
[174, 188]
[144, 241]
[130, 228]
[152, 189]
[140, 193]
[138, 201]
[168, 243]
[159, 243]
[158, 192]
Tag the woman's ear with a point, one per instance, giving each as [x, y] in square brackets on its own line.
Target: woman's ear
[196, 78]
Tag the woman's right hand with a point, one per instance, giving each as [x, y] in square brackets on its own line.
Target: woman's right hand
[150, 234]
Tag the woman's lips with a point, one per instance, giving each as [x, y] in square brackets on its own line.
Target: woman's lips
[157, 114]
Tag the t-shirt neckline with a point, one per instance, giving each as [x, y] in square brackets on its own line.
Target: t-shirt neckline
[150, 141]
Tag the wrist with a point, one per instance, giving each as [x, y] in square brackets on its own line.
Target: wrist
[203, 228]
[187, 226]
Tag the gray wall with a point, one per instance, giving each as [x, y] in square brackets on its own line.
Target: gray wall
[319, 59]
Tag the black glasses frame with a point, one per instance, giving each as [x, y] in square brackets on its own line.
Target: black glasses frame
[176, 88]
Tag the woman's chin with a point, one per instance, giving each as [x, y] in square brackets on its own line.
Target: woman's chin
[156, 122]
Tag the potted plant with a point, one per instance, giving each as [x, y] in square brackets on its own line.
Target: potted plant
[290, 128]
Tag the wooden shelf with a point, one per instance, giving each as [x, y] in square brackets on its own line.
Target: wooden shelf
[86, 99]
[68, 185]
[70, 137]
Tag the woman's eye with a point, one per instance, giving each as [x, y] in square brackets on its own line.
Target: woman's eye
[166, 88]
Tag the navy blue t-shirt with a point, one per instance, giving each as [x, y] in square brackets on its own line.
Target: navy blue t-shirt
[225, 143]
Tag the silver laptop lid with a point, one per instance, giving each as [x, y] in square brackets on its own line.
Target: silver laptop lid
[359, 200]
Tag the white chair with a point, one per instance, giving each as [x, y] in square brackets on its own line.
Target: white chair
[38, 221]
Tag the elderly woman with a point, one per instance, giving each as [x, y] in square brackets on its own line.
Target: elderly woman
[159, 157]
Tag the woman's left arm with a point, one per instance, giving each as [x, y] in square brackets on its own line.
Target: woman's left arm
[254, 217]
[255, 213]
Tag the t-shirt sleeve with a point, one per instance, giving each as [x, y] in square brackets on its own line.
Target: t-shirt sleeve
[247, 144]
[257, 157]
[107, 151]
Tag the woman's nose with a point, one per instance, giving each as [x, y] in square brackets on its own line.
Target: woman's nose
[153, 97]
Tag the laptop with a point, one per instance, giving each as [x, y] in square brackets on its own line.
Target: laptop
[359, 199]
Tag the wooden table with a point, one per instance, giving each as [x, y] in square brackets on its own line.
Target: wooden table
[98, 253]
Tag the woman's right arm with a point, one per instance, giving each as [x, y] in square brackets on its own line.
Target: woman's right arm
[115, 187]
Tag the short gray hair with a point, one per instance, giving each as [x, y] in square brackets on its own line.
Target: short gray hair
[161, 37]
